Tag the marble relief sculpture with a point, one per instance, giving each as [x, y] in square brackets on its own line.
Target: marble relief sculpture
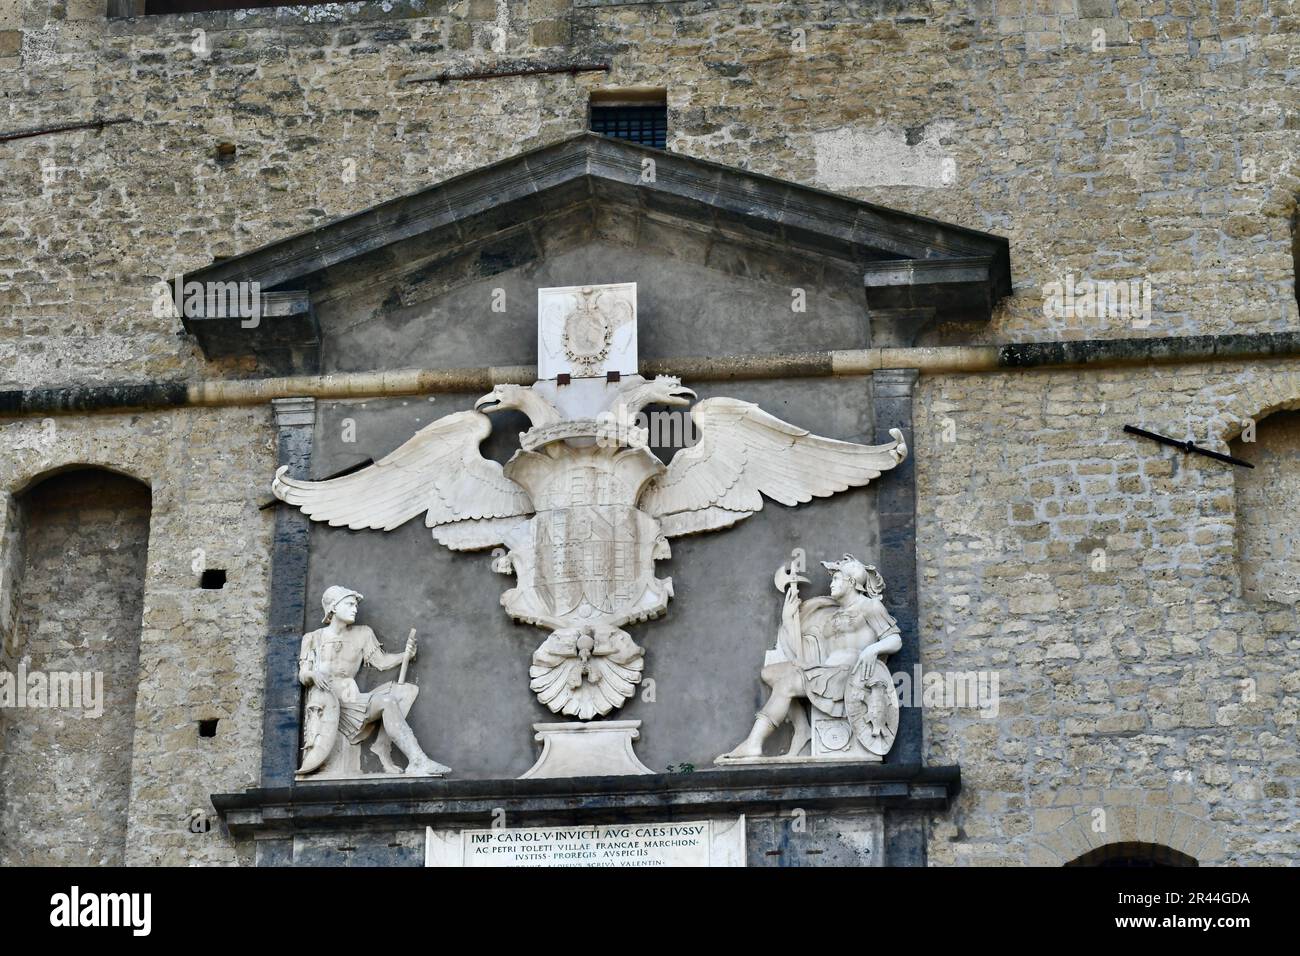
[339, 716]
[830, 658]
[581, 513]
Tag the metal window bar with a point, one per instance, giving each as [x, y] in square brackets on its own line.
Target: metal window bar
[644, 125]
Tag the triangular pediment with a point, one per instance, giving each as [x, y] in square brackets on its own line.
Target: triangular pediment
[504, 215]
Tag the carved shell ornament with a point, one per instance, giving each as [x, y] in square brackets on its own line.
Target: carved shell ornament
[586, 672]
[582, 549]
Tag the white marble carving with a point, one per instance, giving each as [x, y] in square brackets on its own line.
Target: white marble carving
[584, 509]
[338, 715]
[591, 670]
[715, 842]
[831, 659]
[586, 331]
[597, 748]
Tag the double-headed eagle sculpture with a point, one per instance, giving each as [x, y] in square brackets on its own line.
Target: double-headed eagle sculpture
[585, 508]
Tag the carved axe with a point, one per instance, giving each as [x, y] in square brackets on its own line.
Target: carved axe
[786, 579]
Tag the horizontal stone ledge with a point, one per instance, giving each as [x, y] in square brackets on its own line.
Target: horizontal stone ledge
[1095, 353]
[450, 803]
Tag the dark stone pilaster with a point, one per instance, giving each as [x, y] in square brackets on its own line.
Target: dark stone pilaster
[295, 419]
[896, 507]
[896, 503]
[276, 852]
[905, 838]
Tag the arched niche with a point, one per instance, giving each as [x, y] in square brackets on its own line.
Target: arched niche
[1133, 855]
[75, 551]
[1267, 504]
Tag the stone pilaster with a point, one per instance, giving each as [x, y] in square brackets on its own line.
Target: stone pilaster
[295, 419]
[896, 507]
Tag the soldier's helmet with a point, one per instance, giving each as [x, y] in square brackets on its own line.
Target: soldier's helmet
[332, 596]
[865, 577]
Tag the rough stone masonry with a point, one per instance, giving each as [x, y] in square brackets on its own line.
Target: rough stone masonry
[1139, 604]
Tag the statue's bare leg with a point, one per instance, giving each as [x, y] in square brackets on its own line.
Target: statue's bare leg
[782, 680]
[802, 729]
[417, 761]
[383, 749]
[383, 743]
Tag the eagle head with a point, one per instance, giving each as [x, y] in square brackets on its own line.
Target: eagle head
[502, 397]
[519, 398]
[669, 390]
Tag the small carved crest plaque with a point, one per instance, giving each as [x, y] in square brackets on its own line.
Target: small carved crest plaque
[586, 331]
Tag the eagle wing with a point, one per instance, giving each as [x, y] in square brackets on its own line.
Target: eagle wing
[745, 453]
[438, 470]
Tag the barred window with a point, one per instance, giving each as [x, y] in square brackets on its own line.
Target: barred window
[642, 123]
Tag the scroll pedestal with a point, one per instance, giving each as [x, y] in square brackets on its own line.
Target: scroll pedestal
[598, 748]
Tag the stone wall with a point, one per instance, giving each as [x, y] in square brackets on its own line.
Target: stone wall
[1095, 574]
[201, 651]
[1166, 157]
[65, 770]
[1268, 497]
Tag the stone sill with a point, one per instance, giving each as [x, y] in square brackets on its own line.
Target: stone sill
[448, 803]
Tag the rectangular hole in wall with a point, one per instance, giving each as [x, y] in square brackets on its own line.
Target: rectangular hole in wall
[213, 579]
[208, 727]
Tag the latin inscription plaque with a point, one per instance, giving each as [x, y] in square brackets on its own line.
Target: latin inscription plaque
[717, 842]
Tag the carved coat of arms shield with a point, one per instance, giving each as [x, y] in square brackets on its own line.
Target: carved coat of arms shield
[589, 560]
[593, 549]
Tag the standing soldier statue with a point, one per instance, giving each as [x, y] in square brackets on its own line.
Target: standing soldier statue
[328, 665]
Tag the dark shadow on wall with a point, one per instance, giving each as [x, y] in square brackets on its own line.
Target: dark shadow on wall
[1133, 855]
[1295, 251]
[77, 550]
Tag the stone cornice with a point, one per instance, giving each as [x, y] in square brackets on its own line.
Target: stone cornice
[445, 803]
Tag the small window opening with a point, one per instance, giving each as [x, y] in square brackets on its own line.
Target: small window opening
[208, 727]
[637, 116]
[212, 579]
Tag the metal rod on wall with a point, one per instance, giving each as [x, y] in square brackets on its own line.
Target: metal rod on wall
[1187, 446]
[518, 71]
